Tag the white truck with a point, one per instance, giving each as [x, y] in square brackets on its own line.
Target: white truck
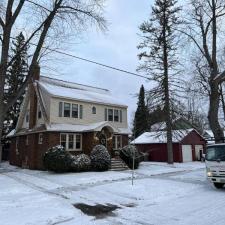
[215, 164]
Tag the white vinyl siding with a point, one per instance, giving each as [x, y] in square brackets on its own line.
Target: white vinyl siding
[86, 114]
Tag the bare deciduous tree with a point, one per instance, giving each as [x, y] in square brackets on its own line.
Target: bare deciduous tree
[204, 27]
[73, 14]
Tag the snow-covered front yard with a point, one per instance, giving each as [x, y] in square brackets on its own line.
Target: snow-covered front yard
[161, 195]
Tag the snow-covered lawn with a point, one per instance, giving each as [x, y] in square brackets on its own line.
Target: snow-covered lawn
[161, 195]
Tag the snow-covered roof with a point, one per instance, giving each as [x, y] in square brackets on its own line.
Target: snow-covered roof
[160, 137]
[64, 89]
[85, 128]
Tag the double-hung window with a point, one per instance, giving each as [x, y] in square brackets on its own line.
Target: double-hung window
[113, 115]
[67, 109]
[116, 115]
[110, 114]
[70, 110]
[75, 110]
[71, 142]
[63, 140]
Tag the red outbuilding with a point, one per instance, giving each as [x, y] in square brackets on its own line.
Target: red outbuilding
[188, 145]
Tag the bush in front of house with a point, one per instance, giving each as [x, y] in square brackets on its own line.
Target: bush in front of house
[127, 153]
[80, 163]
[100, 158]
[57, 159]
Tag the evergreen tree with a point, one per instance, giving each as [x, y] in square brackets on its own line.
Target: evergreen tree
[141, 115]
[16, 75]
[159, 57]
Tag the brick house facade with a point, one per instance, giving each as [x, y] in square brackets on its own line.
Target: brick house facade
[56, 112]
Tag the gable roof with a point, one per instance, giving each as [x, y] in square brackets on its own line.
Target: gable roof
[70, 90]
[160, 137]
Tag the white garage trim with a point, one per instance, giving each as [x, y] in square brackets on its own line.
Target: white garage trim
[187, 153]
[197, 151]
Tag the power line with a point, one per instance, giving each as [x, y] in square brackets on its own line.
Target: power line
[90, 61]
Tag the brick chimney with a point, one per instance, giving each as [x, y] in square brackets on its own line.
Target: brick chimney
[33, 98]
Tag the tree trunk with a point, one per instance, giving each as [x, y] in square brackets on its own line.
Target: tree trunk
[167, 95]
[3, 70]
[213, 113]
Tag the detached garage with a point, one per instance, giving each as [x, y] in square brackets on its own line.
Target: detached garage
[188, 145]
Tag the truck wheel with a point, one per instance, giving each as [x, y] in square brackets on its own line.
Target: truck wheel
[218, 185]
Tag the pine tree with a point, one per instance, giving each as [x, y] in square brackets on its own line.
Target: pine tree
[141, 115]
[15, 77]
[159, 57]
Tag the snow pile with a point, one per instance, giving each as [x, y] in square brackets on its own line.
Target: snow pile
[100, 158]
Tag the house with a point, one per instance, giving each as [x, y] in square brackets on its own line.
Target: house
[188, 145]
[78, 117]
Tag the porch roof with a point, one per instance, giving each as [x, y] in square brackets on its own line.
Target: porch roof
[84, 128]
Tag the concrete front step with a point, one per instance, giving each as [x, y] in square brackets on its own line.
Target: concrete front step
[117, 164]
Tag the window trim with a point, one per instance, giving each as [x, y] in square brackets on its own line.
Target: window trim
[120, 112]
[40, 138]
[116, 141]
[69, 109]
[75, 106]
[94, 110]
[61, 110]
[74, 141]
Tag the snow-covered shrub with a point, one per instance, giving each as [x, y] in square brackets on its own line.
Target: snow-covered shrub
[100, 158]
[127, 153]
[57, 159]
[80, 163]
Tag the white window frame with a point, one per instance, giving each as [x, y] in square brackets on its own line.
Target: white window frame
[116, 141]
[40, 138]
[71, 110]
[74, 141]
[119, 115]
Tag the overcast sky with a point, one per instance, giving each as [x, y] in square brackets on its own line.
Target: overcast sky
[116, 48]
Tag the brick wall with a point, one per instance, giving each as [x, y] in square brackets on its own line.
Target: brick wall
[30, 156]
